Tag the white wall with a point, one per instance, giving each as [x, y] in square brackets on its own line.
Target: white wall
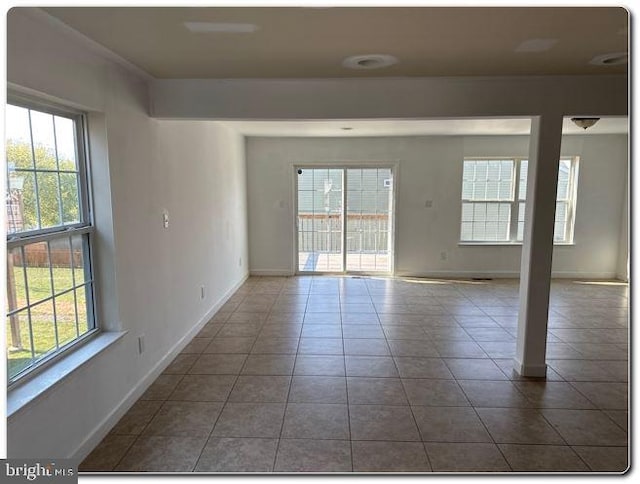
[196, 171]
[430, 168]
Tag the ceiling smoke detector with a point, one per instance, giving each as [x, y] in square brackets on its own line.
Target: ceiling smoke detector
[613, 59]
[369, 61]
[585, 123]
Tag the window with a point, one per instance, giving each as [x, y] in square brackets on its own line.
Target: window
[490, 210]
[50, 288]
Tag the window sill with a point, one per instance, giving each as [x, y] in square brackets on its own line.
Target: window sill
[23, 394]
[508, 244]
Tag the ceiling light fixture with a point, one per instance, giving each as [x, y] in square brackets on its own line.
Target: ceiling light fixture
[585, 123]
[346, 128]
[613, 59]
[369, 61]
[220, 27]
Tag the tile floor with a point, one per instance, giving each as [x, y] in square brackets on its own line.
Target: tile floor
[341, 374]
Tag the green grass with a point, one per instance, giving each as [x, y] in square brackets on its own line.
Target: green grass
[42, 315]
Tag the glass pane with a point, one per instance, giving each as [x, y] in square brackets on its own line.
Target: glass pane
[81, 307]
[66, 318]
[70, 198]
[16, 293]
[467, 212]
[22, 211]
[17, 130]
[38, 275]
[559, 230]
[564, 172]
[60, 253]
[43, 141]
[18, 343]
[49, 199]
[466, 232]
[43, 327]
[522, 192]
[79, 256]
[479, 231]
[66, 143]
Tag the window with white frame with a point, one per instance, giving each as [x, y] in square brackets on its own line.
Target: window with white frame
[491, 212]
[50, 286]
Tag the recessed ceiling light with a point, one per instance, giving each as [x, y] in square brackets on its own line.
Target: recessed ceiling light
[220, 27]
[346, 128]
[369, 61]
[536, 45]
[613, 59]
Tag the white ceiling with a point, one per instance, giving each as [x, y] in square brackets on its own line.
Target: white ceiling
[404, 127]
[294, 42]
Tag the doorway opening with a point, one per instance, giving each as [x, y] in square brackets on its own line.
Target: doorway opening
[344, 219]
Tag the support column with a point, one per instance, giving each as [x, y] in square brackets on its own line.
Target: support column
[537, 247]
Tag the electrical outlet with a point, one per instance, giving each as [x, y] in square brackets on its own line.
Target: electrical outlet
[201, 292]
[443, 255]
[141, 344]
[428, 203]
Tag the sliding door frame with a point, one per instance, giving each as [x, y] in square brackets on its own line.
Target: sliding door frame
[345, 166]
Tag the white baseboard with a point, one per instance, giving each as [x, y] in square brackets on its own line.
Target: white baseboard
[269, 272]
[503, 274]
[105, 426]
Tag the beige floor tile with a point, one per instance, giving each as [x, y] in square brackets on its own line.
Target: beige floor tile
[280, 330]
[316, 421]
[605, 395]
[366, 347]
[231, 345]
[542, 458]
[107, 454]
[136, 419]
[443, 393]
[237, 455]
[371, 456]
[518, 426]
[459, 349]
[373, 366]
[298, 455]
[318, 389]
[482, 393]
[204, 388]
[218, 364]
[362, 331]
[604, 459]
[276, 346]
[322, 331]
[268, 365]
[319, 365]
[586, 427]
[162, 454]
[245, 330]
[382, 422]
[184, 419]
[405, 331]
[250, 420]
[196, 345]
[416, 367]
[465, 457]
[267, 389]
[550, 394]
[320, 346]
[381, 391]
[474, 369]
[180, 364]
[621, 417]
[450, 424]
[162, 387]
[405, 347]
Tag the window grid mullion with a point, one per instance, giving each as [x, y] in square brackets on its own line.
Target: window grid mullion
[55, 146]
[53, 295]
[515, 201]
[28, 299]
[35, 175]
[73, 281]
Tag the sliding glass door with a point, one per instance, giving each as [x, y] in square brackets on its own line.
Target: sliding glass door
[344, 230]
